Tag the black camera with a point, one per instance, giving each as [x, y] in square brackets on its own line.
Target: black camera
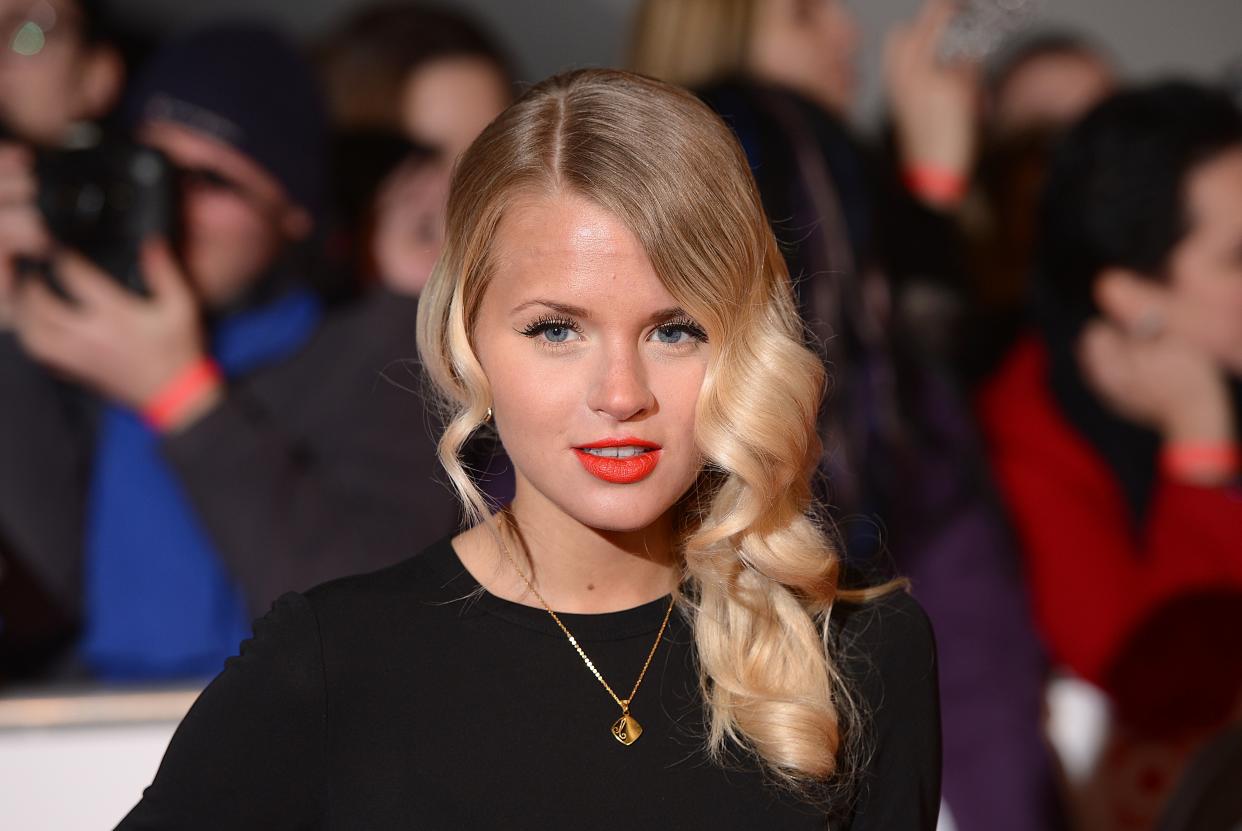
[104, 200]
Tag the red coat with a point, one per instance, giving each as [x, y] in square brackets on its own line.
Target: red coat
[1154, 616]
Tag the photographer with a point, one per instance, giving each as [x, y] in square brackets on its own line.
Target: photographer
[220, 467]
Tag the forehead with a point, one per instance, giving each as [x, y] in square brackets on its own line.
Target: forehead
[44, 12]
[568, 248]
[1214, 190]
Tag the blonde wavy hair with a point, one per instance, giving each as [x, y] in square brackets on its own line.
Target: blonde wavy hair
[692, 42]
[761, 575]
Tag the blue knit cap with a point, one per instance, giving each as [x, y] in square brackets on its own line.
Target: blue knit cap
[246, 86]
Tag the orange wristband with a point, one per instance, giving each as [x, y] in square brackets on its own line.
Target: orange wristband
[1198, 461]
[171, 400]
[937, 185]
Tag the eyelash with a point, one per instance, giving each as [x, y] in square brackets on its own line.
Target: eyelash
[543, 324]
[686, 325]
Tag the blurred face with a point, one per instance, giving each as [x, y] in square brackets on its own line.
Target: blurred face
[1205, 269]
[808, 46]
[594, 370]
[409, 225]
[447, 102]
[49, 78]
[236, 218]
[1051, 91]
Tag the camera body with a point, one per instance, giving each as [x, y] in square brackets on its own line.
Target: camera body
[104, 200]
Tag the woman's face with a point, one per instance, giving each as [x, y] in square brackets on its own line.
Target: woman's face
[1205, 268]
[594, 370]
[50, 77]
[447, 102]
[409, 225]
[1051, 91]
[808, 46]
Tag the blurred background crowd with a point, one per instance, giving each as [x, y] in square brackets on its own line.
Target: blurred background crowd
[1022, 264]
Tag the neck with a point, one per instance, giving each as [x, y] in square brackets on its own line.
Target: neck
[574, 568]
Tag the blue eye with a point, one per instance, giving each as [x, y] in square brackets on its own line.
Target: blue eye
[680, 332]
[671, 334]
[552, 330]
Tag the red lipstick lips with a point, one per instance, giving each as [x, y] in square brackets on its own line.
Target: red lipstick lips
[619, 469]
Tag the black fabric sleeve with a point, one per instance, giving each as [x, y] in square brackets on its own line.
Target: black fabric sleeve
[42, 475]
[250, 753]
[917, 242]
[895, 673]
[288, 510]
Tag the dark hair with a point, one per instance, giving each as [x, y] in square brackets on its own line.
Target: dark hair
[366, 61]
[97, 25]
[1024, 49]
[1114, 192]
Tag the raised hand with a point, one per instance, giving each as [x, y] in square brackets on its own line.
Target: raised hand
[126, 347]
[1138, 359]
[934, 102]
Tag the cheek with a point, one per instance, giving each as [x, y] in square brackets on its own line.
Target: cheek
[1229, 324]
[678, 393]
[219, 216]
[226, 245]
[222, 228]
[535, 401]
[41, 91]
[1214, 304]
[403, 258]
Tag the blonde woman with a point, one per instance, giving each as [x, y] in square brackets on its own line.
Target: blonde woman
[656, 632]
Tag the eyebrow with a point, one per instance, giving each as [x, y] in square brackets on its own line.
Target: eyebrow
[563, 308]
[578, 311]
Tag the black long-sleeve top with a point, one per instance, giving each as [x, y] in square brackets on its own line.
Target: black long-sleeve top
[409, 698]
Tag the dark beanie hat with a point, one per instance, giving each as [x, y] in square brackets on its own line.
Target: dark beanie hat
[246, 86]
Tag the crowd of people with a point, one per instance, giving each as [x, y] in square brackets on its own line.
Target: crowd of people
[1027, 292]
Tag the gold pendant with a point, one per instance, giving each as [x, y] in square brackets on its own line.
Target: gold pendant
[626, 729]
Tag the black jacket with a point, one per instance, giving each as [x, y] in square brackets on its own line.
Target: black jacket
[320, 466]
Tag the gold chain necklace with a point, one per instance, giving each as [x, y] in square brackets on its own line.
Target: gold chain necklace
[625, 729]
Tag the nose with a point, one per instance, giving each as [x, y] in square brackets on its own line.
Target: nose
[619, 388]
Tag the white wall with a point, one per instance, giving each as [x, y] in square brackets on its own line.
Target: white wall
[83, 778]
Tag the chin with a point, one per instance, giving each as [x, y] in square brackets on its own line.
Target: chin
[615, 522]
[620, 508]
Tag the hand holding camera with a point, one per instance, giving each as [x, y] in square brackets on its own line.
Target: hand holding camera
[126, 332]
[124, 346]
[23, 234]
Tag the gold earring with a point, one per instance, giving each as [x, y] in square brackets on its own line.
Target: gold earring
[488, 417]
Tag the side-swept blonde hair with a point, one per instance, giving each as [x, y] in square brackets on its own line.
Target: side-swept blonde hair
[761, 574]
[692, 42]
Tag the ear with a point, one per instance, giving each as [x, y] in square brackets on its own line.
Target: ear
[296, 222]
[1108, 280]
[103, 74]
[1130, 299]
